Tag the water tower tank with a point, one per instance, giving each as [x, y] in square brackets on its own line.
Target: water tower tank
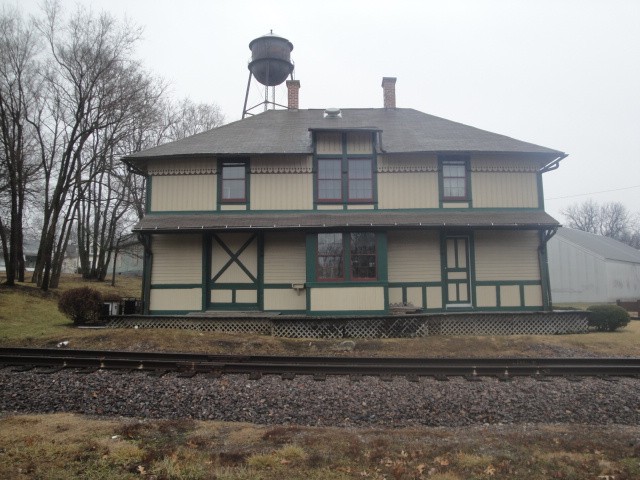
[271, 59]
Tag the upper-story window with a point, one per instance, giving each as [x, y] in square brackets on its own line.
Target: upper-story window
[330, 179]
[360, 177]
[345, 166]
[233, 181]
[454, 178]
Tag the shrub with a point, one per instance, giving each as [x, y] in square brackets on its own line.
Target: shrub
[82, 305]
[607, 318]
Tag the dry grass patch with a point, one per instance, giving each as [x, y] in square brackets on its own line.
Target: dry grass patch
[71, 446]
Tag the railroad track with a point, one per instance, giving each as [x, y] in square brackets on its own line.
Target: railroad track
[187, 364]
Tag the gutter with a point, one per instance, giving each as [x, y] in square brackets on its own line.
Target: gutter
[553, 164]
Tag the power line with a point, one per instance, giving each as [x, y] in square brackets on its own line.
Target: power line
[594, 193]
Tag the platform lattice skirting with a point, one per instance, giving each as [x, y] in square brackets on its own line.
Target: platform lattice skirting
[406, 326]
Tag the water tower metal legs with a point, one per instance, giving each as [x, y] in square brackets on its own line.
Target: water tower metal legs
[246, 96]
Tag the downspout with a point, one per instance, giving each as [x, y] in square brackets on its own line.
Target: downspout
[545, 236]
[147, 263]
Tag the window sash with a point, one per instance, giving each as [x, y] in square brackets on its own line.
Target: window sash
[454, 180]
[329, 179]
[360, 179]
[233, 182]
[363, 256]
[330, 256]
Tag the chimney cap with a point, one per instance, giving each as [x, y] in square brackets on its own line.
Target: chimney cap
[389, 80]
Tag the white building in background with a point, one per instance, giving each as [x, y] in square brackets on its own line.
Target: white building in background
[589, 268]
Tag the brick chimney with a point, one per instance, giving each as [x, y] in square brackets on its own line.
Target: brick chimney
[293, 86]
[389, 91]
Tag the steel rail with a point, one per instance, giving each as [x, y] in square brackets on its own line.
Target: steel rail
[292, 365]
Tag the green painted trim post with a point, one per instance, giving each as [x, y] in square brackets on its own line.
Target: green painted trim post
[472, 268]
[260, 285]
[147, 265]
[540, 191]
[206, 271]
[147, 193]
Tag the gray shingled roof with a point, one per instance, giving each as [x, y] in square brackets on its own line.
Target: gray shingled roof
[245, 220]
[287, 132]
[603, 246]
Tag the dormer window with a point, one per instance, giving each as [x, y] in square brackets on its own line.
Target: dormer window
[345, 165]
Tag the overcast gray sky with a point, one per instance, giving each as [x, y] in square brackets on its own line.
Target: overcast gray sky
[560, 73]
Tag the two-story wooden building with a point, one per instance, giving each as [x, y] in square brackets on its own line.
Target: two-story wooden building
[351, 211]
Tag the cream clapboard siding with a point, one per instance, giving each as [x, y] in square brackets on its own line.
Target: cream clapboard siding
[284, 258]
[407, 181]
[183, 193]
[329, 143]
[282, 191]
[504, 181]
[359, 143]
[281, 182]
[486, 296]
[347, 299]
[503, 256]
[532, 296]
[176, 299]
[177, 259]
[504, 189]
[282, 299]
[413, 256]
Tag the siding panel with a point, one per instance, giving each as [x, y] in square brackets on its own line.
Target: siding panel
[347, 299]
[183, 193]
[284, 258]
[413, 256]
[282, 191]
[408, 190]
[176, 259]
[178, 299]
[284, 299]
[504, 189]
[506, 255]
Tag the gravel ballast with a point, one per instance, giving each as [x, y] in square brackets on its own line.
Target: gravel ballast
[337, 401]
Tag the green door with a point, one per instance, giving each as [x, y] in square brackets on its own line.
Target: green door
[456, 271]
[235, 271]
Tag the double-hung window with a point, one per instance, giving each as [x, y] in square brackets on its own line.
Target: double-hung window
[360, 178]
[354, 181]
[233, 181]
[357, 250]
[330, 179]
[455, 181]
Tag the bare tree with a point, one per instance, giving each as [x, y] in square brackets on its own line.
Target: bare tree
[611, 219]
[18, 48]
[89, 82]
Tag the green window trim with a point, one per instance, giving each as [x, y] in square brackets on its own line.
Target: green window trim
[235, 162]
[460, 160]
[348, 175]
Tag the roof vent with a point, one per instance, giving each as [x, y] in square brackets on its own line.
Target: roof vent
[332, 113]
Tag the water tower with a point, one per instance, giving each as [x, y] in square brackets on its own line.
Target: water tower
[270, 65]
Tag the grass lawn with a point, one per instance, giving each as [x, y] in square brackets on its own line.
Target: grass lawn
[30, 318]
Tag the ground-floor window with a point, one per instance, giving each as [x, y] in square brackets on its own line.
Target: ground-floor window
[356, 249]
